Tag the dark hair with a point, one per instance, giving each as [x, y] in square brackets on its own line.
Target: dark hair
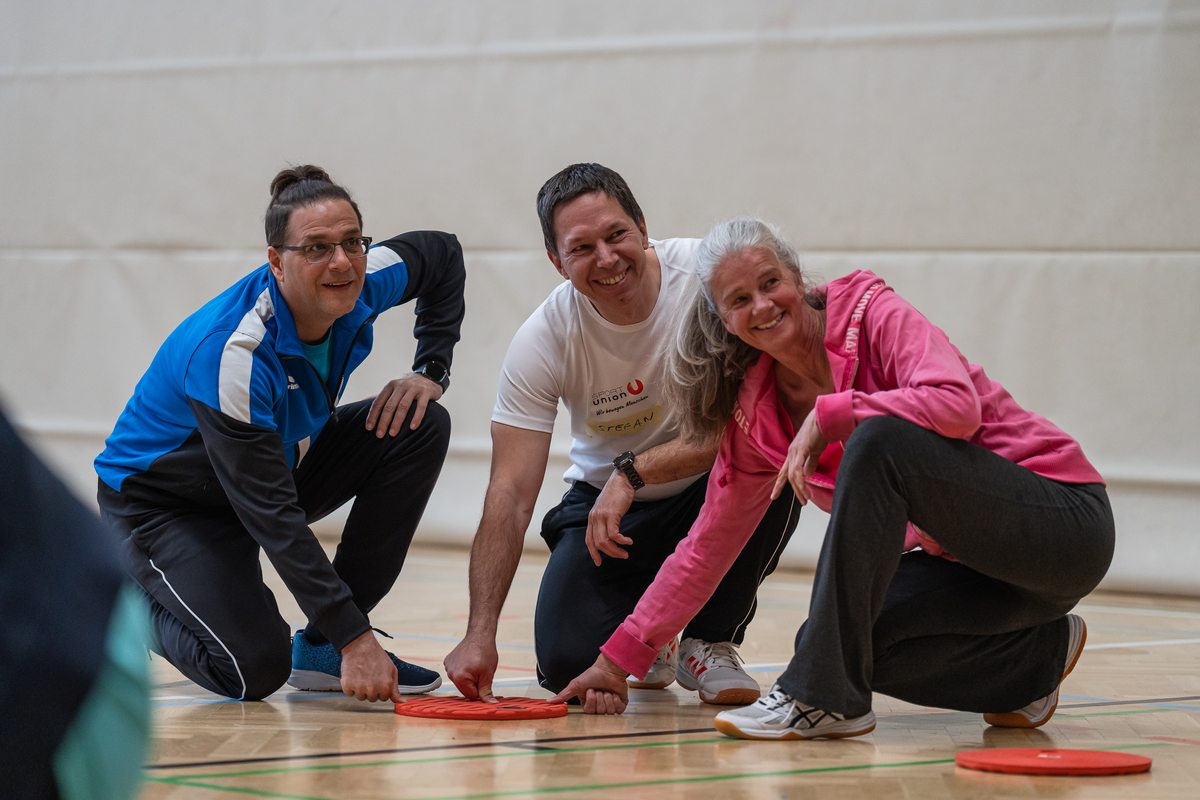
[297, 187]
[581, 179]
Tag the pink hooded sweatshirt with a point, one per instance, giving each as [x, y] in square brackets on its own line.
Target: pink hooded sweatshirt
[886, 360]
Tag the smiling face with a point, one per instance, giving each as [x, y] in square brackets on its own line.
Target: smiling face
[317, 294]
[602, 252]
[759, 300]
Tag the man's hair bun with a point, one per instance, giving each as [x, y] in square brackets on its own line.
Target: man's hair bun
[290, 177]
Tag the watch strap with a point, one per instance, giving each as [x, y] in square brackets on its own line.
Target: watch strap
[435, 371]
[624, 463]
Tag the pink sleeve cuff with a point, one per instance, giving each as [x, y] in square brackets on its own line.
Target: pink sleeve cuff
[629, 653]
[835, 416]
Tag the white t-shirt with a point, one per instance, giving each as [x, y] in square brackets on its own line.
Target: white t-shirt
[608, 376]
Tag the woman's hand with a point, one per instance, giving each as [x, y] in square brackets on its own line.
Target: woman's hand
[602, 688]
[803, 454]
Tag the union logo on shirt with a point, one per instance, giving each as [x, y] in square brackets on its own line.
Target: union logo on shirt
[617, 393]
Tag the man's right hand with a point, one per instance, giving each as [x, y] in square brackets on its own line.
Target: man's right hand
[472, 665]
[518, 465]
[367, 672]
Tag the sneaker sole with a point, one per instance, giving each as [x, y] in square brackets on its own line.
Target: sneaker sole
[743, 696]
[842, 730]
[651, 685]
[312, 681]
[1015, 719]
[731, 697]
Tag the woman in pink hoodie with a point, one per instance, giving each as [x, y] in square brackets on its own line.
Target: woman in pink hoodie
[962, 528]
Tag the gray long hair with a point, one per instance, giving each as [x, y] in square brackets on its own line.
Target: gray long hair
[706, 363]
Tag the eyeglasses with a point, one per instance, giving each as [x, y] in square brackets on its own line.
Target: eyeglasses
[321, 252]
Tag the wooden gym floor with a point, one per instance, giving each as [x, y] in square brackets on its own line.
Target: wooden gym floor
[1136, 689]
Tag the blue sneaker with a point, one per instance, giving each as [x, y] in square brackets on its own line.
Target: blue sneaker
[318, 668]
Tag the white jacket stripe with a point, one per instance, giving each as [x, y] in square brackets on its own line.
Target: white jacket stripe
[237, 359]
[381, 258]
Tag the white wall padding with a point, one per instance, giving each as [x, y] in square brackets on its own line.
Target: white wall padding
[1027, 173]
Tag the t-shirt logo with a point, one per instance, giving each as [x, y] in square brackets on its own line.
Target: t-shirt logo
[618, 398]
[622, 410]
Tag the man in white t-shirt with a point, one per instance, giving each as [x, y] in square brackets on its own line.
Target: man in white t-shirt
[595, 345]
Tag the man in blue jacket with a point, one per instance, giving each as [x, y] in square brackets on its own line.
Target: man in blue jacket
[233, 443]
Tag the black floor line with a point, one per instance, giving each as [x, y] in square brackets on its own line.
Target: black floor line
[538, 743]
[535, 747]
[541, 744]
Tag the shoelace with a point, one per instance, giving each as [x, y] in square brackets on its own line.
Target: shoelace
[777, 698]
[664, 656]
[794, 711]
[719, 654]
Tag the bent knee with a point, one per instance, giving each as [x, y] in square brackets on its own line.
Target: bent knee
[265, 677]
[873, 431]
[558, 667]
[437, 418]
[264, 672]
[881, 437]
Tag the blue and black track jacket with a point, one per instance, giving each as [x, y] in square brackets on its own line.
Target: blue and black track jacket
[230, 405]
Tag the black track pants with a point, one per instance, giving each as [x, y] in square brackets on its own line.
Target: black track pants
[580, 605]
[985, 634]
[215, 619]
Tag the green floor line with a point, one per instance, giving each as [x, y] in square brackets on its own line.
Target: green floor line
[238, 789]
[582, 787]
[716, 778]
[436, 760]
[677, 781]
[200, 781]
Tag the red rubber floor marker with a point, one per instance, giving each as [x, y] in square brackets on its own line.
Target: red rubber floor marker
[458, 707]
[1037, 761]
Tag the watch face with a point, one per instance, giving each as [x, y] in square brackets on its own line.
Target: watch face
[434, 371]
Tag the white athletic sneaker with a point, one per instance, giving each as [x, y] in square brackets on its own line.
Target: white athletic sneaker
[715, 669]
[1039, 712]
[779, 716]
[662, 671]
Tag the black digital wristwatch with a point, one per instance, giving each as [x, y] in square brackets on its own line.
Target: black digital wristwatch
[436, 371]
[624, 462]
